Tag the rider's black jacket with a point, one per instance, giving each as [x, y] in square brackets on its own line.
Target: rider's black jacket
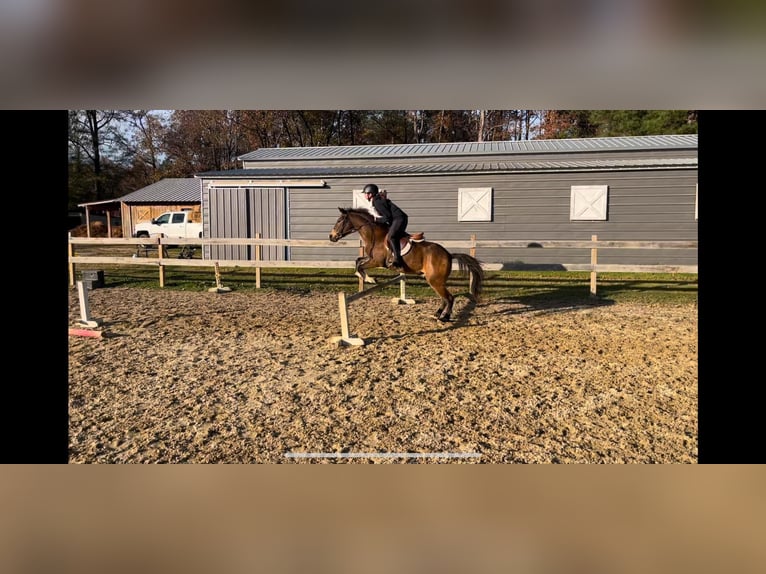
[388, 210]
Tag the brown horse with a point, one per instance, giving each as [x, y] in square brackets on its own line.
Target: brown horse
[423, 258]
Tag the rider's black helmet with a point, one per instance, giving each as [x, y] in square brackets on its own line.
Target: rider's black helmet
[371, 189]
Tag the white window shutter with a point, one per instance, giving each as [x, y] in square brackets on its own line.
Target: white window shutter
[588, 203]
[474, 204]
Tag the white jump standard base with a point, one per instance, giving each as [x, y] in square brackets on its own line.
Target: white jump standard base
[218, 287]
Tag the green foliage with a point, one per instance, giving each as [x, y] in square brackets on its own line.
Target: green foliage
[611, 123]
[559, 124]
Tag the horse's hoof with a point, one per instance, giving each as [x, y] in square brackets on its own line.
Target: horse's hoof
[444, 319]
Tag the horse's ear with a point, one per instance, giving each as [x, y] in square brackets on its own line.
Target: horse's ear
[341, 210]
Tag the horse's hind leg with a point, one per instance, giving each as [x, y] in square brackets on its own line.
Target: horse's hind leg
[444, 311]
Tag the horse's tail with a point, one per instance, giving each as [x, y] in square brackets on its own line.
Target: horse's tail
[473, 266]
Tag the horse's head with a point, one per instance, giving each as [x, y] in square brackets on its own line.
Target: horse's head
[342, 226]
[350, 220]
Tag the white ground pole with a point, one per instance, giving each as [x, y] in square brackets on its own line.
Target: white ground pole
[85, 319]
[344, 300]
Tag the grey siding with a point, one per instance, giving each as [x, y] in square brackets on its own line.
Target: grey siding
[642, 206]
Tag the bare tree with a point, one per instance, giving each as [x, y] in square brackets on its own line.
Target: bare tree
[90, 132]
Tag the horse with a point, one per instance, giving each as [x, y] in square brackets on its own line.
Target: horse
[420, 257]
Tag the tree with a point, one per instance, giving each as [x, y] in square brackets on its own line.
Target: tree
[610, 123]
[141, 149]
[203, 140]
[114, 152]
[558, 124]
[92, 135]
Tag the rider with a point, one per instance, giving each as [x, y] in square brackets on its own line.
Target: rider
[391, 215]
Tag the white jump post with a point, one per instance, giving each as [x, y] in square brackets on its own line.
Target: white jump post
[85, 319]
[344, 300]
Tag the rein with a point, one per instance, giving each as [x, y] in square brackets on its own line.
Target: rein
[363, 225]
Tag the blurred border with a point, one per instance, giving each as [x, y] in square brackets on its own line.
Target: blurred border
[454, 54]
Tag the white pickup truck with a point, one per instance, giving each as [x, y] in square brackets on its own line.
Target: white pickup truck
[171, 224]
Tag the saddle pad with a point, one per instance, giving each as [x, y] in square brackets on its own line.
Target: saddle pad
[405, 243]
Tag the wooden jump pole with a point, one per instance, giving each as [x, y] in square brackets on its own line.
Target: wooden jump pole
[472, 253]
[71, 265]
[361, 254]
[160, 248]
[344, 300]
[593, 262]
[86, 333]
[258, 258]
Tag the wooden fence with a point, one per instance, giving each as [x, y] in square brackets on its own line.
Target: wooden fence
[157, 248]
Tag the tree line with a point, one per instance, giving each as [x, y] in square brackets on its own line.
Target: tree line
[115, 152]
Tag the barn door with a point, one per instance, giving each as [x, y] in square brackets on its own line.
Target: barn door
[267, 215]
[239, 212]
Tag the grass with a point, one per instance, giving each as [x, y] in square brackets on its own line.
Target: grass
[538, 286]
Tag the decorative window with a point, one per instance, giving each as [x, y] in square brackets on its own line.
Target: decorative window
[588, 203]
[474, 204]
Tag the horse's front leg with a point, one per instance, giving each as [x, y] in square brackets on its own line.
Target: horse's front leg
[359, 269]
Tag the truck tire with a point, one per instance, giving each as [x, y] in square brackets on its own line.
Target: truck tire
[142, 234]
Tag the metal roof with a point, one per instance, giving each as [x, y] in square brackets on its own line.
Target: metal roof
[476, 167]
[627, 143]
[168, 190]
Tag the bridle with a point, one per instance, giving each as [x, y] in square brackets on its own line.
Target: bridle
[347, 223]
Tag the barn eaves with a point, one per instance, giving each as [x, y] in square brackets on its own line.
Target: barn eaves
[237, 181]
[499, 167]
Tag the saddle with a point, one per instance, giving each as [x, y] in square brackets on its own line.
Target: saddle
[405, 243]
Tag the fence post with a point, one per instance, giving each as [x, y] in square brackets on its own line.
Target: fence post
[258, 258]
[71, 265]
[593, 263]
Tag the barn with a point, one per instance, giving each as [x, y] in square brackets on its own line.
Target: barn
[638, 188]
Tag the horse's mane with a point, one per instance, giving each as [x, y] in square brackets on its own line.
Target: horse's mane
[362, 212]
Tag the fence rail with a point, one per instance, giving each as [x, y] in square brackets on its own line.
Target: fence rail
[161, 259]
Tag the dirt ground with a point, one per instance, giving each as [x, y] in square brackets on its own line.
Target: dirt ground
[234, 377]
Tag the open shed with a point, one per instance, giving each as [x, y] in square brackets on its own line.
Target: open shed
[169, 194]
